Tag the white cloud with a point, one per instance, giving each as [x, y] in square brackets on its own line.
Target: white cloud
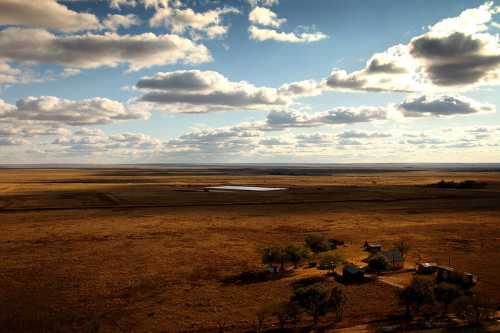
[203, 91]
[263, 34]
[456, 53]
[47, 14]
[200, 25]
[91, 51]
[442, 105]
[265, 17]
[115, 21]
[52, 109]
[265, 3]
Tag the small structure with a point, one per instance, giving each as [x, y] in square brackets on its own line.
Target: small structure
[451, 275]
[351, 273]
[372, 247]
[426, 268]
[273, 269]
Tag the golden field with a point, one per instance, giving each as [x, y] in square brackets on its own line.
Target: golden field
[147, 250]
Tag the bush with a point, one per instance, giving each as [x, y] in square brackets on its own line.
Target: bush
[283, 311]
[379, 263]
[317, 243]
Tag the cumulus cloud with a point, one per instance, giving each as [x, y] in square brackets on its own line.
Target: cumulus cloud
[264, 34]
[91, 51]
[52, 109]
[265, 17]
[442, 105]
[147, 3]
[457, 52]
[116, 21]
[265, 3]
[207, 24]
[203, 91]
[336, 116]
[47, 14]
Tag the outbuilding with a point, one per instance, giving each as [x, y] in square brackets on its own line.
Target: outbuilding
[351, 273]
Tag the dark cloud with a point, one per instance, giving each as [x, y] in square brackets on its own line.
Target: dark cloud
[442, 105]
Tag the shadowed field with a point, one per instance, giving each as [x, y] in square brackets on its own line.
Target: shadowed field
[149, 250]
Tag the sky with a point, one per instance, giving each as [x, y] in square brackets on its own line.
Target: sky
[249, 81]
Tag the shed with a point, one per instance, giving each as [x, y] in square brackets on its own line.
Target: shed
[351, 273]
[426, 268]
[372, 247]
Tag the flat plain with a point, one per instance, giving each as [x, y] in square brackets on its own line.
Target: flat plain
[149, 250]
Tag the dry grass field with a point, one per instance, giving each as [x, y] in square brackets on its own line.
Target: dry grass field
[139, 250]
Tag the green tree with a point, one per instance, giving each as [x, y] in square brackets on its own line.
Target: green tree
[419, 292]
[379, 263]
[318, 299]
[317, 243]
[403, 247]
[296, 254]
[329, 259]
[273, 255]
[446, 293]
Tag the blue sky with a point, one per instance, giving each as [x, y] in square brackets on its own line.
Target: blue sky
[309, 92]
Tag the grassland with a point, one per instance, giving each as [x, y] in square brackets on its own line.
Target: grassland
[150, 251]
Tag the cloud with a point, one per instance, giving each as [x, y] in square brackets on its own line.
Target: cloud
[147, 3]
[362, 135]
[200, 25]
[442, 105]
[265, 3]
[265, 17]
[336, 116]
[263, 34]
[204, 91]
[91, 51]
[455, 53]
[46, 14]
[95, 111]
[115, 21]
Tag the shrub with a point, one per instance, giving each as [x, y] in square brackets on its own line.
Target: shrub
[317, 243]
[283, 311]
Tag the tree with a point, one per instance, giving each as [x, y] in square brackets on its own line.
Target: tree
[446, 293]
[403, 247]
[317, 243]
[296, 254]
[283, 311]
[328, 259]
[260, 316]
[318, 299]
[273, 255]
[379, 263]
[474, 308]
[419, 292]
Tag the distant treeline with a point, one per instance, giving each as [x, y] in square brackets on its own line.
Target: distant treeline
[467, 184]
